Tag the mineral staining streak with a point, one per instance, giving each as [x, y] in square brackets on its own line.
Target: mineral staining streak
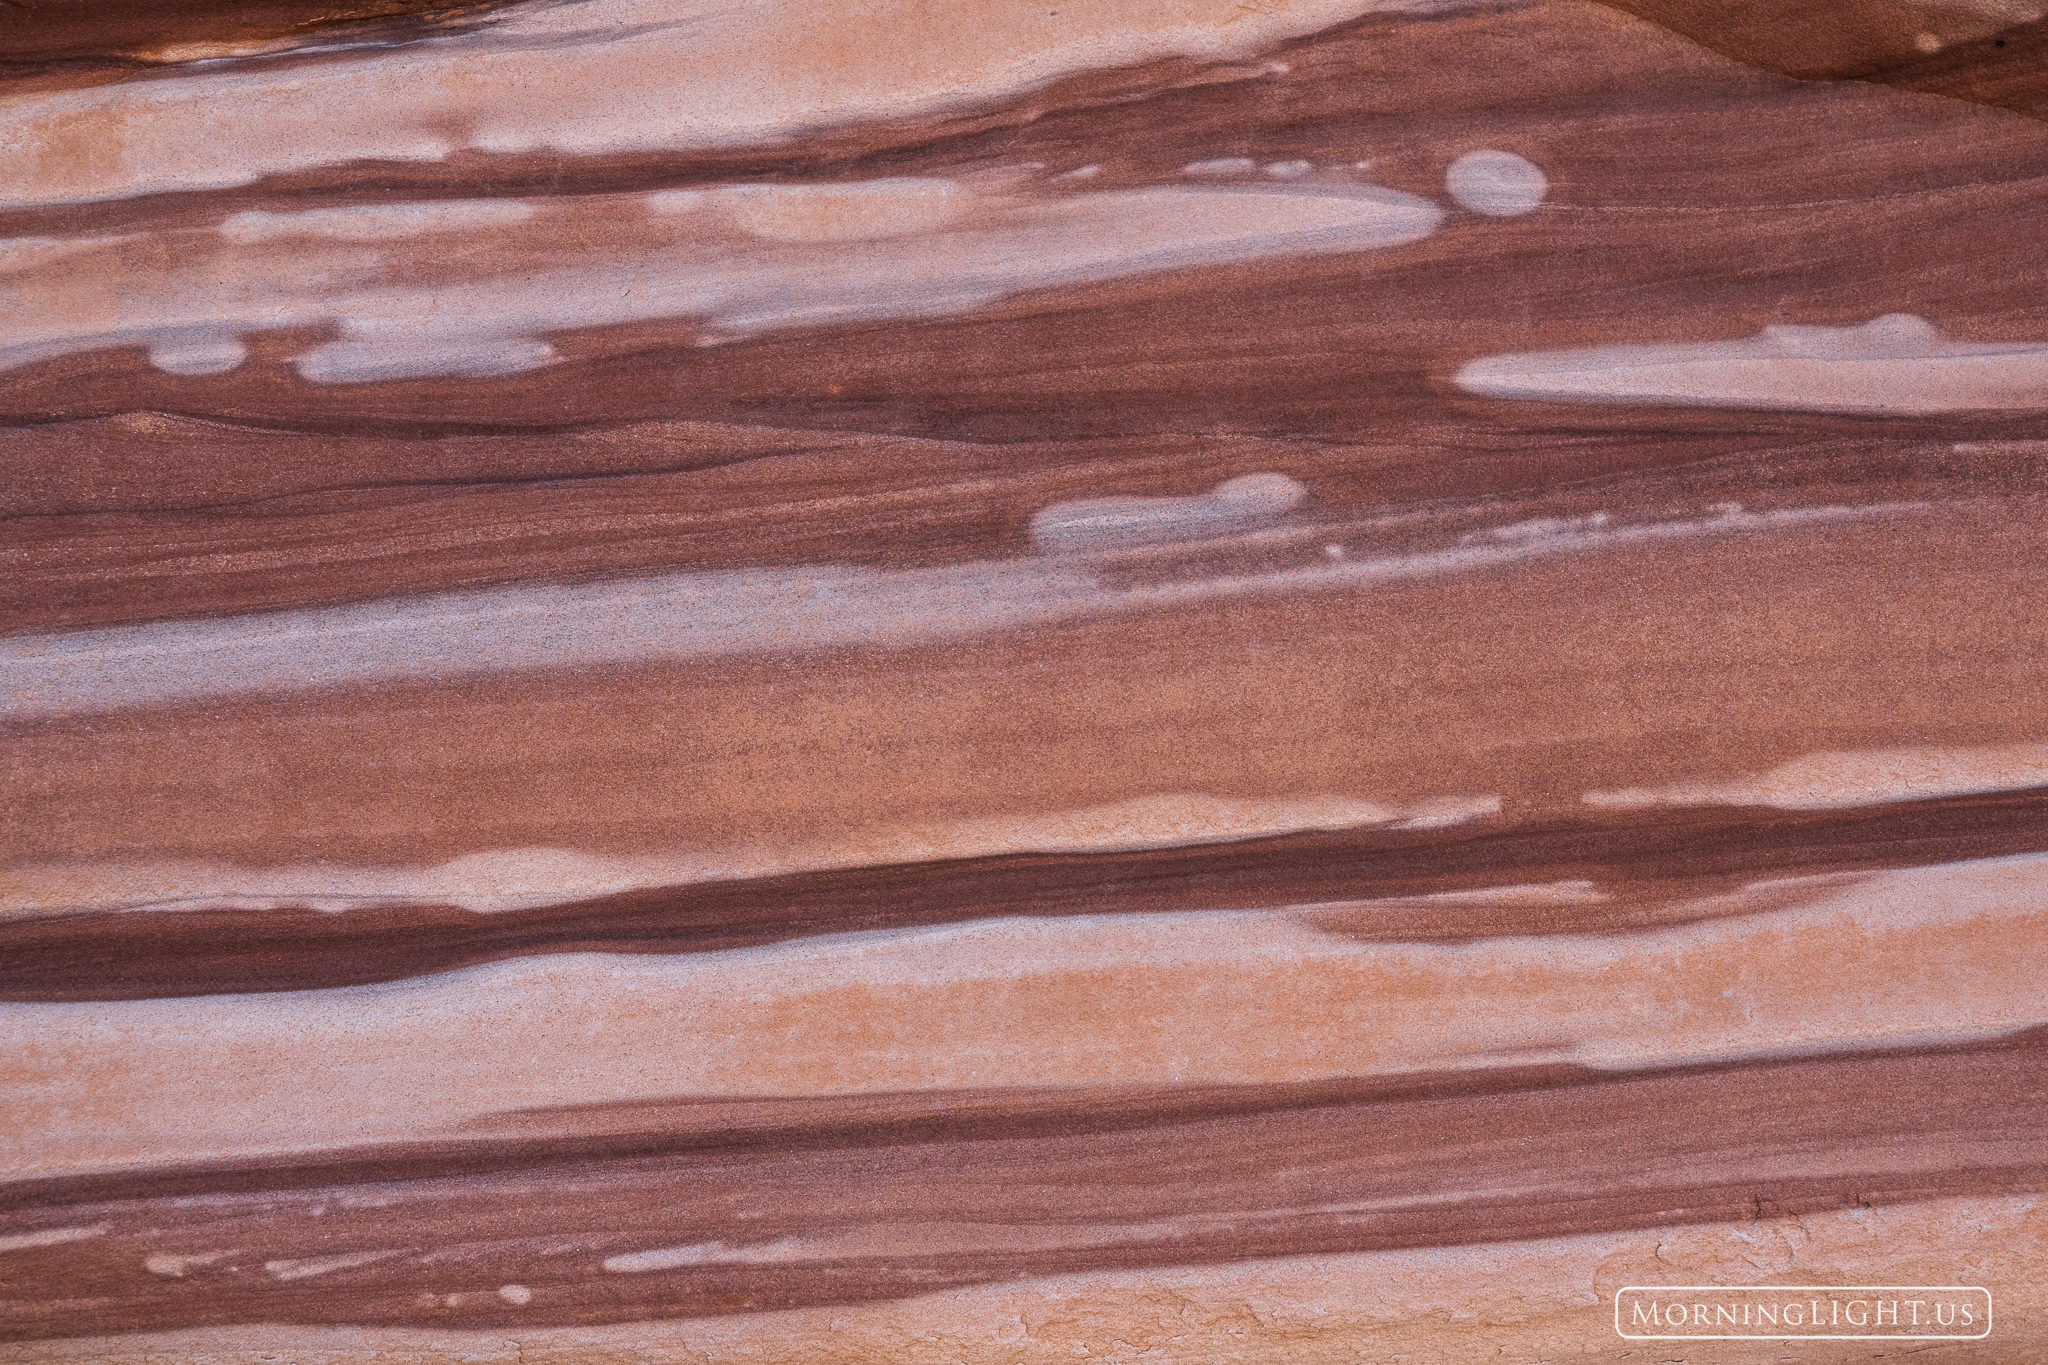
[898, 685]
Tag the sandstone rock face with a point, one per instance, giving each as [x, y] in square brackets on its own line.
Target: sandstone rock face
[1314, 680]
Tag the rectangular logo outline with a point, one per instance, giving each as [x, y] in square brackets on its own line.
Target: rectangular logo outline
[1989, 1316]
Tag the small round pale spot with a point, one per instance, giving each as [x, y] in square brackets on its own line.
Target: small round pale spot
[1927, 43]
[1495, 183]
[517, 1295]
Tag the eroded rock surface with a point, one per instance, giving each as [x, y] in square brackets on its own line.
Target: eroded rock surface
[1209, 682]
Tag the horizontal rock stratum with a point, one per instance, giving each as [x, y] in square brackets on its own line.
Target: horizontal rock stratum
[1277, 682]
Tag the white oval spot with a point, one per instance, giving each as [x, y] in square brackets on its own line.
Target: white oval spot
[666, 1258]
[1222, 165]
[1098, 524]
[206, 356]
[365, 362]
[1266, 493]
[1497, 184]
[516, 1294]
[175, 1267]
